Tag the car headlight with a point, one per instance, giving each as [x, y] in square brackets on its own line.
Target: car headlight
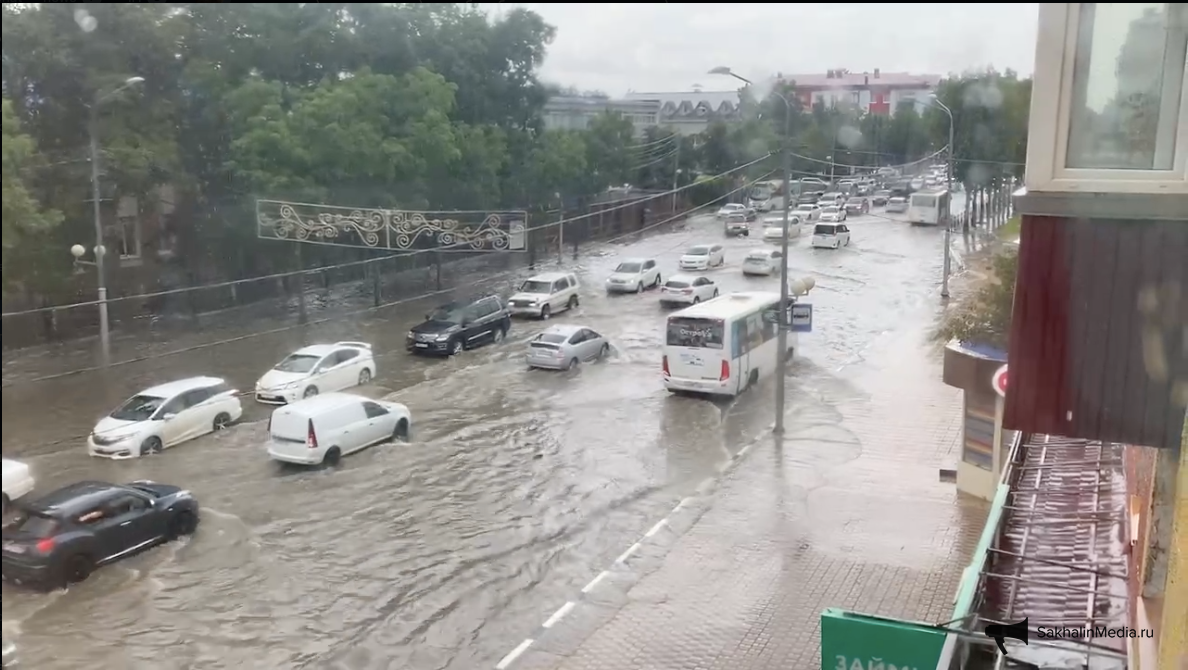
[411, 335]
[290, 385]
[442, 338]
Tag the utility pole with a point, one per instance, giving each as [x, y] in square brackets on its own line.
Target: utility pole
[676, 171]
[948, 263]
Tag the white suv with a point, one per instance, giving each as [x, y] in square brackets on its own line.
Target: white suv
[545, 294]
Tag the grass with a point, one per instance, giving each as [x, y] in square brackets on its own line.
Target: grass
[1010, 230]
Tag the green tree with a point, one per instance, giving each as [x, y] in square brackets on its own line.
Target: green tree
[609, 140]
[25, 219]
[990, 113]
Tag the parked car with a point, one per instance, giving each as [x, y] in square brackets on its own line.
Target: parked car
[807, 212]
[702, 257]
[857, 206]
[833, 214]
[315, 369]
[762, 262]
[736, 224]
[325, 428]
[460, 325]
[687, 290]
[18, 481]
[897, 205]
[62, 537]
[165, 416]
[830, 236]
[633, 275]
[879, 199]
[564, 347]
[546, 294]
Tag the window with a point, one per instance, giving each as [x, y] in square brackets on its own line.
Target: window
[197, 397]
[344, 355]
[855, 98]
[692, 332]
[125, 504]
[129, 236]
[373, 410]
[1108, 113]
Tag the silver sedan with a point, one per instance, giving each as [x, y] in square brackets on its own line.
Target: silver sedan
[563, 347]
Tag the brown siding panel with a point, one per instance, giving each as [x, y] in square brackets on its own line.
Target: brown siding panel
[1076, 355]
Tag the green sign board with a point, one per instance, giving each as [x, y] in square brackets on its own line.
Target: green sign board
[851, 641]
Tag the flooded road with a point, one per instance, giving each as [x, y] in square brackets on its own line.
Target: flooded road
[516, 486]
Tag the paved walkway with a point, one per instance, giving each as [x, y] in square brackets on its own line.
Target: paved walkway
[846, 512]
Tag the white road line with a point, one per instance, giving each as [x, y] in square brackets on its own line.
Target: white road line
[627, 554]
[656, 529]
[685, 502]
[594, 582]
[514, 654]
[559, 614]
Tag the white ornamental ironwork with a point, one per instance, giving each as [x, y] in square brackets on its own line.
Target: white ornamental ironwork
[391, 229]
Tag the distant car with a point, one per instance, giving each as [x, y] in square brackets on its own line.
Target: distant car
[762, 262]
[546, 294]
[165, 416]
[807, 212]
[829, 199]
[687, 290]
[633, 275]
[732, 208]
[809, 197]
[18, 481]
[460, 325]
[62, 537]
[897, 204]
[318, 368]
[879, 199]
[736, 225]
[564, 347]
[833, 214]
[773, 227]
[323, 429]
[857, 206]
[830, 236]
[702, 257]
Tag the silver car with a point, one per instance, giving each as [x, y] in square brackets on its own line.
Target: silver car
[564, 347]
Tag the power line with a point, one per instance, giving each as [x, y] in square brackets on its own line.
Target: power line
[405, 254]
[654, 161]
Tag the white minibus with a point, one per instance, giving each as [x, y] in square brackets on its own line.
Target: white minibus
[723, 345]
[929, 208]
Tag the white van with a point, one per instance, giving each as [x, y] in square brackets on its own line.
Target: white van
[724, 345]
[831, 236]
[324, 428]
[545, 294]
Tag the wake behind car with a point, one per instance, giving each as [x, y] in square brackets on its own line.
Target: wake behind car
[165, 416]
[316, 369]
[63, 536]
[457, 326]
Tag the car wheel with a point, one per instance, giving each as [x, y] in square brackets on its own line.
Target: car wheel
[183, 523]
[400, 433]
[364, 377]
[638, 289]
[696, 299]
[221, 421]
[332, 457]
[498, 335]
[715, 293]
[76, 569]
[546, 312]
[456, 347]
[602, 353]
[572, 364]
[657, 282]
[151, 445]
[573, 302]
[310, 392]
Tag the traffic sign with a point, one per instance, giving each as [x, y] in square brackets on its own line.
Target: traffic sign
[999, 381]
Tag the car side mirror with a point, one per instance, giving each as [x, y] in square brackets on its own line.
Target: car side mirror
[467, 321]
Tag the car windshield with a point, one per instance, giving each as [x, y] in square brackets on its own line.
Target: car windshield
[628, 267]
[677, 283]
[829, 210]
[698, 251]
[735, 218]
[297, 363]
[758, 256]
[138, 408]
[450, 313]
[824, 230]
[536, 286]
[804, 208]
[552, 338]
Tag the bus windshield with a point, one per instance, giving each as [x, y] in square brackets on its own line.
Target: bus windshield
[697, 333]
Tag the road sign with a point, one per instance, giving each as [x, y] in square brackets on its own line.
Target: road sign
[801, 319]
[999, 381]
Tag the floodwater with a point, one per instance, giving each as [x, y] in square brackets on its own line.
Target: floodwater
[516, 488]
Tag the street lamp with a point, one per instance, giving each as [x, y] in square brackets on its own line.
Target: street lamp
[949, 184]
[101, 279]
[782, 332]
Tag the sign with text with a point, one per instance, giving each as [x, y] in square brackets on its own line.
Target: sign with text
[852, 641]
[801, 318]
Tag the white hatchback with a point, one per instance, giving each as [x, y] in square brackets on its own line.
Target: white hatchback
[165, 416]
[315, 369]
[687, 290]
[325, 428]
[761, 262]
[634, 275]
[703, 257]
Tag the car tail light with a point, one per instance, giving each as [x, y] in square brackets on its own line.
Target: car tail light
[45, 546]
[725, 374]
[666, 372]
[687, 290]
[311, 438]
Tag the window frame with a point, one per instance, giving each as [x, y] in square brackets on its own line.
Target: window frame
[1051, 106]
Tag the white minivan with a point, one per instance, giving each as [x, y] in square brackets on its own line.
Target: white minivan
[324, 428]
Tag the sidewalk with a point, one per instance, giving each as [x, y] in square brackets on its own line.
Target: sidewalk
[848, 513]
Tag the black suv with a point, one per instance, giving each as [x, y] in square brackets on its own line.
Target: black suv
[461, 325]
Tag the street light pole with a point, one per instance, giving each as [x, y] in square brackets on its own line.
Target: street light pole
[949, 219]
[97, 213]
[782, 326]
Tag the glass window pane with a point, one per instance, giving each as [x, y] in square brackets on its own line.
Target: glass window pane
[1127, 79]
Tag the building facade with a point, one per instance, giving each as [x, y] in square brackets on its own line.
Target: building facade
[685, 113]
[874, 92]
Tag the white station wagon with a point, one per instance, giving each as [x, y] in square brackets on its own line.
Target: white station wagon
[165, 416]
[315, 369]
[325, 428]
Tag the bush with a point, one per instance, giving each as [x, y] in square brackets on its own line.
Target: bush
[986, 317]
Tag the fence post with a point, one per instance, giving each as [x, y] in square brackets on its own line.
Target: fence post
[377, 285]
[437, 270]
[300, 278]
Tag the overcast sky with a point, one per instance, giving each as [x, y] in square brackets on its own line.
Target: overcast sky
[616, 47]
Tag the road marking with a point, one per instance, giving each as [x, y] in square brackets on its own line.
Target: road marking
[514, 654]
[559, 614]
[594, 582]
[685, 502]
[627, 554]
[656, 529]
